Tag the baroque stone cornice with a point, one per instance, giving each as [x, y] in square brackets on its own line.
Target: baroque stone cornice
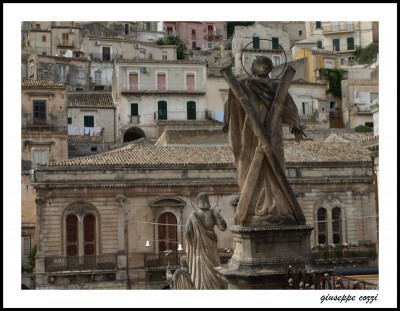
[102, 184]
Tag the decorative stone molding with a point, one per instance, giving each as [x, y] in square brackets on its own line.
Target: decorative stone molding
[261, 261]
[329, 199]
[80, 208]
[40, 200]
[120, 198]
[39, 207]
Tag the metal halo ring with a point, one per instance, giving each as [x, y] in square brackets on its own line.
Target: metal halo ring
[216, 204]
[241, 58]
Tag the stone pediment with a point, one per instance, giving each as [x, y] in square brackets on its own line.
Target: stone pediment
[168, 202]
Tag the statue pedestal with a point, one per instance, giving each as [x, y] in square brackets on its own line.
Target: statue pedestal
[263, 254]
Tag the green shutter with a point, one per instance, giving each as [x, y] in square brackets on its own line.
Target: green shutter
[350, 43]
[256, 42]
[162, 110]
[336, 45]
[191, 110]
[317, 25]
[275, 43]
[134, 110]
[319, 44]
[88, 121]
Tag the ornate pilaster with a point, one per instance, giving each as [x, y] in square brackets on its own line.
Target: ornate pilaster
[122, 232]
[40, 256]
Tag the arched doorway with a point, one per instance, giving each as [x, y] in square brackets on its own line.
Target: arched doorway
[133, 133]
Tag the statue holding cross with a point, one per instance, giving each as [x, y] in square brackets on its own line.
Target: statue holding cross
[254, 112]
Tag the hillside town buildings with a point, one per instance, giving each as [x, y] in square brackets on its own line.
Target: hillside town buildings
[118, 135]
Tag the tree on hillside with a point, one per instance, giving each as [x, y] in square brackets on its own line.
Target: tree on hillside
[368, 54]
[174, 40]
[334, 77]
[230, 27]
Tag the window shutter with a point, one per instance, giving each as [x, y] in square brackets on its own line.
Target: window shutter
[134, 110]
[256, 42]
[275, 43]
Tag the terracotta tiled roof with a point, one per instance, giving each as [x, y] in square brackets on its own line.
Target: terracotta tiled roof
[90, 99]
[137, 155]
[356, 138]
[324, 152]
[85, 139]
[30, 83]
[335, 138]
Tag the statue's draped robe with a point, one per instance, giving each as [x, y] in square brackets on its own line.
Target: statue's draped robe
[261, 193]
[202, 255]
[181, 280]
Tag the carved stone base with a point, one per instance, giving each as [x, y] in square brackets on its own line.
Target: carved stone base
[263, 254]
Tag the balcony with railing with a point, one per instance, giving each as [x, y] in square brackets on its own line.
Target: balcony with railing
[341, 27]
[172, 115]
[80, 263]
[36, 125]
[153, 88]
[104, 56]
[66, 44]
[343, 255]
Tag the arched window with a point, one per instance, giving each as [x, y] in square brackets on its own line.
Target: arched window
[336, 225]
[322, 225]
[336, 45]
[89, 226]
[81, 232]
[167, 232]
[330, 224]
[350, 43]
[72, 235]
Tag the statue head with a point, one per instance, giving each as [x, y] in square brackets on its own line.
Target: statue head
[202, 200]
[262, 66]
